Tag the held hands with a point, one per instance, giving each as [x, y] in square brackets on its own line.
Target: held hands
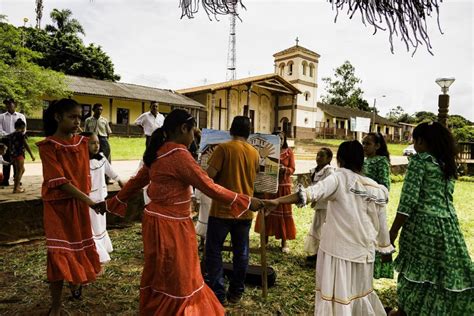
[267, 206]
[99, 208]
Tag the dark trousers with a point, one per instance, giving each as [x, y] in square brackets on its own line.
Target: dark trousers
[7, 168]
[217, 231]
[105, 147]
[147, 141]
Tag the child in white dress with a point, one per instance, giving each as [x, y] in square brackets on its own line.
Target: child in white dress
[99, 168]
[322, 171]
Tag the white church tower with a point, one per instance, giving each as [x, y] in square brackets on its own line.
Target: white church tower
[299, 66]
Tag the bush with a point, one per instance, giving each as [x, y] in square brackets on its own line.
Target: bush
[394, 178]
[466, 179]
[464, 134]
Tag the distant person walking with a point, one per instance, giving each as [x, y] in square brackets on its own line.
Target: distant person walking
[7, 126]
[150, 121]
[99, 125]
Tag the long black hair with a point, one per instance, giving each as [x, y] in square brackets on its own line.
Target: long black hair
[380, 140]
[285, 142]
[350, 155]
[441, 144]
[173, 121]
[50, 125]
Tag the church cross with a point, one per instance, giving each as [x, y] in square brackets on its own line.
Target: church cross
[297, 41]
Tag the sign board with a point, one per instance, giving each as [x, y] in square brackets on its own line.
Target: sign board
[267, 145]
[360, 124]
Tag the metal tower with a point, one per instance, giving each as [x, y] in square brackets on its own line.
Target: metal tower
[231, 52]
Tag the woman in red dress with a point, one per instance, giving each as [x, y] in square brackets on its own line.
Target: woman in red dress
[72, 255]
[172, 283]
[279, 222]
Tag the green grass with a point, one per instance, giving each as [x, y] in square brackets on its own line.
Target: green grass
[23, 272]
[393, 149]
[123, 148]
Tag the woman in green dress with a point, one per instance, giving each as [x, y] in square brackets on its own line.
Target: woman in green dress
[436, 274]
[377, 168]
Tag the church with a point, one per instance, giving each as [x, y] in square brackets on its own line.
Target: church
[284, 100]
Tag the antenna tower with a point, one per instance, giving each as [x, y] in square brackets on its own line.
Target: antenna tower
[232, 51]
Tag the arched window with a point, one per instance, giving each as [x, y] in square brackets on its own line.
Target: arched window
[307, 95]
[290, 68]
[311, 70]
[282, 69]
[304, 65]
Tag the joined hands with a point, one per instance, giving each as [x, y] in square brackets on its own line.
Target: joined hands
[99, 208]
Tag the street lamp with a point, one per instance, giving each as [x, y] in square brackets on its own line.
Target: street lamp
[443, 99]
[375, 110]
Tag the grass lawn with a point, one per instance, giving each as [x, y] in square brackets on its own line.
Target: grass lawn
[393, 149]
[23, 287]
[123, 148]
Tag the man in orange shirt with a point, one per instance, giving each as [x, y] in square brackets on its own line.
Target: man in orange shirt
[234, 165]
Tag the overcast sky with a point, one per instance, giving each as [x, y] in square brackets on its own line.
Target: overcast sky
[149, 44]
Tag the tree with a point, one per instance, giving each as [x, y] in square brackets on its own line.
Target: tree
[398, 115]
[343, 89]
[458, 121]
[62, 50]
[425, 116]
[22, 79]
[464, 134]
[64, 23]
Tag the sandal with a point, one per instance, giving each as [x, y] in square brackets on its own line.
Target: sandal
[76, 292]
[19, 190]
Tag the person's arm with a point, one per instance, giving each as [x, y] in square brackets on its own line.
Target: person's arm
[215, 162]
[109, 129]
[2, 131]
[27, 147]
[118, 204]
[76, 193]
[409, 195]
[109, 172]
[211, 172]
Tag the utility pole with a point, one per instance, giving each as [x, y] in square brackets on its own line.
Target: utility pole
[232, 51]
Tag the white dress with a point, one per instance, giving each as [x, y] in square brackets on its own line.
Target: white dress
[311, 243]
[355, 227]
[100, 168]
[204, 208]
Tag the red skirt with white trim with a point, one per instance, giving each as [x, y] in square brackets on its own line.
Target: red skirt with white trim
[172, 283]
[72, 254]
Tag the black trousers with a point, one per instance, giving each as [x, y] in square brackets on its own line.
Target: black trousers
[6, 168]
[105, 147]
[147, 141]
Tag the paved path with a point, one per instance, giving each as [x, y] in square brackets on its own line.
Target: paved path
[125, 168]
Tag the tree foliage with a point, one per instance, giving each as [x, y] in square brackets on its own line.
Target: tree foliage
[343, 89]
[22, 79]
[398, 115]
[63, 50]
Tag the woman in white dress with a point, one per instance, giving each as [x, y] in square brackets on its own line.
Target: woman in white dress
[321, 172]
[355, 227]
[99, 168]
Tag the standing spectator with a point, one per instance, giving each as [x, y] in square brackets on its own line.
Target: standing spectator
[150, 121]
[234, 166]
[7, 126]
[99, 125]
[17, 153]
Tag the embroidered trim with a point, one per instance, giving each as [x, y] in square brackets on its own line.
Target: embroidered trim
[369, 196]
[68, 242]
[78, 143]
[165, 216]
[426, 281]
[120, 200]
[69, 249]
[170, 152]
[182, 202]
[173, 296]
[57, 179]
[343, 302]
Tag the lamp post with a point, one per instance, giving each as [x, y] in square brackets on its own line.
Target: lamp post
[443, 99]
[375, 110]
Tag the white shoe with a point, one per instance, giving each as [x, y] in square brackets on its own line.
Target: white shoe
[285, 250]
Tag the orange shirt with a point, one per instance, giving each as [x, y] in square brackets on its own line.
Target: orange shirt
[236, 163]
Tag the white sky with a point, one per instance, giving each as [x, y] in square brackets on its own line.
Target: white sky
[150, 45]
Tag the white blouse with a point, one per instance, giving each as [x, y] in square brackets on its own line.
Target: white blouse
[100, 168]
[320, 175]
[356, 222]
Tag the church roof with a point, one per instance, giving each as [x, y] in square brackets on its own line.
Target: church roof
[295, 49]
[346, 113]
[269, 81]
[96, 87]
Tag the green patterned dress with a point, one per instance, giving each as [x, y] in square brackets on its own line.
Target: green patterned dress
[378, 169]
[436, 274]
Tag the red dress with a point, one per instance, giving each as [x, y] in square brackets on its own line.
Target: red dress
[172, 283]
[279, 223]
[72, 255]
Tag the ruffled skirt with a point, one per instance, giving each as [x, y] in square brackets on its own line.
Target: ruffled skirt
[436, 272]
[102, 240]
[172, 283]
[72, 255]
[344, 288]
